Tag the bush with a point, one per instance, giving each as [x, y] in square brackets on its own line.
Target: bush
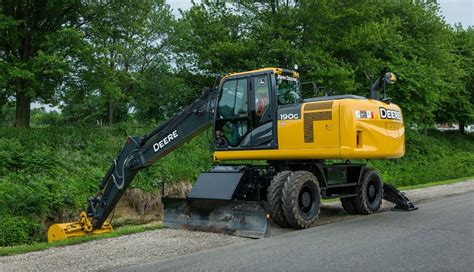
[47, 174]
[15, 230]
[41, 117]
[433, 157]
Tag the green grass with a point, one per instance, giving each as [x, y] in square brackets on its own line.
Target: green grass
[430, 157]
[125, 230]
[47, 174]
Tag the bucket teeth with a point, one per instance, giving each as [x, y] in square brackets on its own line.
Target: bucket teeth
[83, 227]
[240, 218]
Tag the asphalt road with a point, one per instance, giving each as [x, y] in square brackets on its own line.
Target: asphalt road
[438, 236]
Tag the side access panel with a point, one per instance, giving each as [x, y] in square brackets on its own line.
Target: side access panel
[342, 179]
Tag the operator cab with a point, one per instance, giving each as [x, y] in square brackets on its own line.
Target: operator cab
[247, 107]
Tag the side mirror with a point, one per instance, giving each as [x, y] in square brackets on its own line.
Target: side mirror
[387, 78]
[390, 78]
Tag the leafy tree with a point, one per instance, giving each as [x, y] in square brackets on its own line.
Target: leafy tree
[29, 61]
[122, 41]
[335, 44]
[103, 59]
[213, 39]
[459, 107]
[160, 94]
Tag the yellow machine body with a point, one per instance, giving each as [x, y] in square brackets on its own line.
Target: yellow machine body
[334, 129]
[80, 228]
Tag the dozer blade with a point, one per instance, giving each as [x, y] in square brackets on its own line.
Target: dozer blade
[83, 227]
[239, 218]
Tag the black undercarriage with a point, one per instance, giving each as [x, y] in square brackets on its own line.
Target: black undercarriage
[238, 199]
[251, 182]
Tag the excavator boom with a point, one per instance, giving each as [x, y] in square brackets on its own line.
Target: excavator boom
[137, 153]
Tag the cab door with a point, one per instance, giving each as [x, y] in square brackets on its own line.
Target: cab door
[233, 121]
[263, 112]
[245, 114]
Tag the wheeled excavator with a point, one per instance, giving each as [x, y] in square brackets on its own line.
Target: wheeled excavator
[296, 152]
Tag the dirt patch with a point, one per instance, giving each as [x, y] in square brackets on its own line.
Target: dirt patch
[139, 207]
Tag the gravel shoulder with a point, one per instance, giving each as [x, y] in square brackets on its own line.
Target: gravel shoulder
[108, 253]
[166, 243]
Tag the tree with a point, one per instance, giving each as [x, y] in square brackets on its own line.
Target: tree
[31, 67]
[459, 107]
[212, 38]
[122, 41]
[160, 94]
[335, 43]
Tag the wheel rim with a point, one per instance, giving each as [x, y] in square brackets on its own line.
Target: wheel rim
[372, 191]
[306, 201]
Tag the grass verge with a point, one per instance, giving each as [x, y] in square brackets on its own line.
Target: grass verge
[125, 230]
[436, 183]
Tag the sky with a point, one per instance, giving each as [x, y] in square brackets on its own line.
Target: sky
[454, 11]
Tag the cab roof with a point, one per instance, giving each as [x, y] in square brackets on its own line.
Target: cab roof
[278, 71]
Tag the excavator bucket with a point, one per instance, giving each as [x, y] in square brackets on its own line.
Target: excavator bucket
[239, 218]
[83, 227]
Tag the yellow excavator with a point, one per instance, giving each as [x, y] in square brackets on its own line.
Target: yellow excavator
[260, 116]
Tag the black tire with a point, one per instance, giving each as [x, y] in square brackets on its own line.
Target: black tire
[369, 192]
[348, 205]
[275, 199]
[301, 197]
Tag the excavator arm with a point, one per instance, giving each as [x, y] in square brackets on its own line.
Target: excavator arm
[137, 153]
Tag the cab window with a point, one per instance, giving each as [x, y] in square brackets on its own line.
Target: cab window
[232, 122]
[233, 100]
[262, 94]
[287, 90]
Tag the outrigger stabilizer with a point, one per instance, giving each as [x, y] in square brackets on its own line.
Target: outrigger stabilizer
[402, 203]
